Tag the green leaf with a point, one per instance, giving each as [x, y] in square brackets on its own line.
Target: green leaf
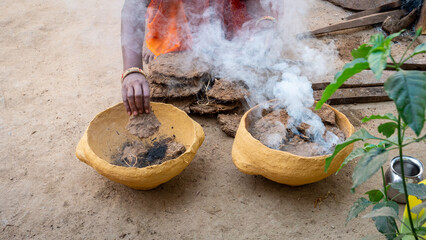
[368, 165]
[359, 206]
[417, 190]
[422, 220]
[375, 195]
[408, 90]
[377, 40]
[381, 212]
[360, 135]
[421, 231]
[400, 236]
[387, 116]
[362, 51]
[348, 71]
[393, 205]
[386, 212]
[394, 139]
[377, 61]
[379, 52]
[392, 36]
[420, 49]
[384, 144]
[418, 208]
[369, 146]
[354, 154]
[387, 129]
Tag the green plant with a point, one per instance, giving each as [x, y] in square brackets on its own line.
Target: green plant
[407, 89]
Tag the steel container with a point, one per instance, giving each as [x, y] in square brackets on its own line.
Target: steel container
[413, 170]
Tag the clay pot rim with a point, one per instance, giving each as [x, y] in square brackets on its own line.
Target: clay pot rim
[318, 157]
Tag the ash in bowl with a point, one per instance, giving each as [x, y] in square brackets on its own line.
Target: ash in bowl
[139, 154]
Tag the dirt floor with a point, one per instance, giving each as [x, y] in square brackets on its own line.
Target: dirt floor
[60, 64]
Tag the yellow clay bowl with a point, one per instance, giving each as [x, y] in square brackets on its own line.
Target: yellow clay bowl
[107, 132]
[250, 156]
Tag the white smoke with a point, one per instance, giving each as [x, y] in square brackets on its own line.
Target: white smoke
[268, 62]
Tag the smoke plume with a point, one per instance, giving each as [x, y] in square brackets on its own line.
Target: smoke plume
[274, 63]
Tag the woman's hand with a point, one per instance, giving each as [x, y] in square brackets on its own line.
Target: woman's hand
[135, 93]
[147, 55]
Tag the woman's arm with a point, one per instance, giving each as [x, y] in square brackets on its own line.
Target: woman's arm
[135, 88]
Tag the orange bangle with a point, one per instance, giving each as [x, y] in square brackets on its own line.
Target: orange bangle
[132, 70]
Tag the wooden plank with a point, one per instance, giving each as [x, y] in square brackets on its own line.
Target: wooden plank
[323, 85]
[422, 19]
[366, 78]
[359, 22]
[319, 86]
[383, 8]
[359, 5]
[362, 79]
[355, 95]
[410, 66]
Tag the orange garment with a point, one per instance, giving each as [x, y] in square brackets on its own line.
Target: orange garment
[170, 22]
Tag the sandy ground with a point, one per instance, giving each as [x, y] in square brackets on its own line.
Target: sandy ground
[59, 66]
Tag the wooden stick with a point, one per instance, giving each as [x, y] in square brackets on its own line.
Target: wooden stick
[359, 22]
[383, 8]
[422, 19]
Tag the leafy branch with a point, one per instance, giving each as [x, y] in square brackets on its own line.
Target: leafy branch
[407, 89]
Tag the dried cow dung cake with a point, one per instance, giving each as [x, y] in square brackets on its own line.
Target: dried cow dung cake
[174, 91]
[138, 154]
[326, 114]
[143, 125]
[228, 91]
[266, 128]
[334, 129]
[229, 123]
[177, 75]
[178, 68]
[271, 130]
[181, 103]
[213, 107]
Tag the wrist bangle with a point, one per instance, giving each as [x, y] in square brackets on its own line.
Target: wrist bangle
[269, 18]
[132, 70]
